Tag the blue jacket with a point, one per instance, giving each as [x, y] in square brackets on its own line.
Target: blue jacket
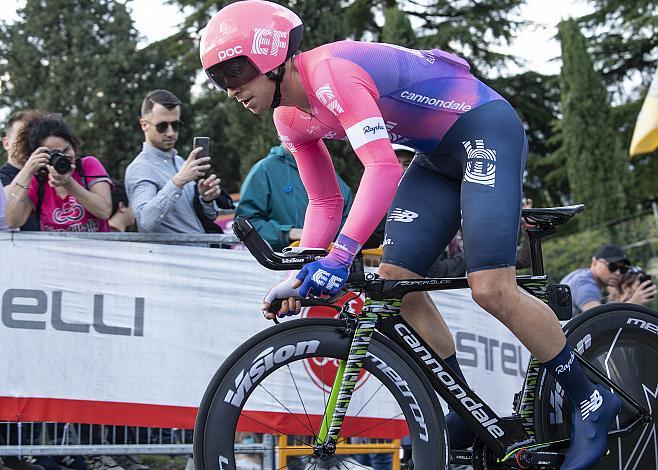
[273, 197]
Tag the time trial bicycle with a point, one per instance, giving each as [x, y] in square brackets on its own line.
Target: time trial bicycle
[615, 343]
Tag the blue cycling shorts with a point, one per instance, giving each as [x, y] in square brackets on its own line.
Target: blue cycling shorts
[473, 179]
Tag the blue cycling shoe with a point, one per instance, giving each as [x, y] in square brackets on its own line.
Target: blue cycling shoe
[459, 433]
[589, 429]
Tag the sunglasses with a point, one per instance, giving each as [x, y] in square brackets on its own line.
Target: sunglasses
[622, 267]
[162, 127]
[232, 73]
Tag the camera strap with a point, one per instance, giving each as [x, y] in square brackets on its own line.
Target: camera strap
[41, 189]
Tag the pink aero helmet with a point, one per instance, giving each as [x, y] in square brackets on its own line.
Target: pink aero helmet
[265, 33]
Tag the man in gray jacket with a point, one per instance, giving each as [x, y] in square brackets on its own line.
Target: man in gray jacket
[160, 183]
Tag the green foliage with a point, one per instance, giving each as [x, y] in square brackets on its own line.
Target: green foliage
[397, 28]
[624, 36]
[79, 58]
[565, 253]
[596, 165]
[536, 98]
[470, 29]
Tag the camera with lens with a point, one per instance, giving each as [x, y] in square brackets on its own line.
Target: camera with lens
[59, 161]
[636, 272]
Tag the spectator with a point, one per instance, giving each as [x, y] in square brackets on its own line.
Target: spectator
[608, 266]
[405, 155]
[635, 287]
[14, 162]
[74, 199]
[3, 207]
[122, 217]
[274, 200]
[160, 183]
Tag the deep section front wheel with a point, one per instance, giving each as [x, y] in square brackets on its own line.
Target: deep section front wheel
[621, 341]
[279, 383]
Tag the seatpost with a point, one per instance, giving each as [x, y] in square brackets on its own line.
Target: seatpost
[536, 257]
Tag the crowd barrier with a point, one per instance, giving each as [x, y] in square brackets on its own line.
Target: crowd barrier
[95, 330]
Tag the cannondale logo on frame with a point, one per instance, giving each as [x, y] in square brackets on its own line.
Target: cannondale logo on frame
[481, 164]
[326, 95]
[268, 41]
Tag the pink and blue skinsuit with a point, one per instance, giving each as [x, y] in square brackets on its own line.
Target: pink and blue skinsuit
[471, 150]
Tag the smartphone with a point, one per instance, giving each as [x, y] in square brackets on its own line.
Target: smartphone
[202, 142]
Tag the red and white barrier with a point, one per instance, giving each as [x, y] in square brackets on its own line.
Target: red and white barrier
[130, 334]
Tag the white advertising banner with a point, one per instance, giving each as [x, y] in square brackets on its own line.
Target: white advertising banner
[131, 333]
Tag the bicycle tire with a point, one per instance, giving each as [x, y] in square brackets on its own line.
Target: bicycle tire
[217, 420]
[621, 340]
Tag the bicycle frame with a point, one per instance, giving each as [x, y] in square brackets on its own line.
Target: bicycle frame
[502, 435]
[382, 311]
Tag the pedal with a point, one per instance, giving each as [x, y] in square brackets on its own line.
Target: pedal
[461, 457]
[542, 459]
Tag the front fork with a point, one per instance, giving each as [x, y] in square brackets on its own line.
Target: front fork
[349, 370]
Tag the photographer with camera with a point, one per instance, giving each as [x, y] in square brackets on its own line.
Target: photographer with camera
[65, 193]
[635, 287]
[608, 269]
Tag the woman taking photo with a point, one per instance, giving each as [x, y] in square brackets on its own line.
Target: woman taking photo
[66, 193]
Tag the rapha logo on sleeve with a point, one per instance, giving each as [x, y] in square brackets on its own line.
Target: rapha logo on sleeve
[367, 131]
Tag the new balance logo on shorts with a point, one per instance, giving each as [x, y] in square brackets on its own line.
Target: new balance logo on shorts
[594, 403]
[481, 164]
[401, 215]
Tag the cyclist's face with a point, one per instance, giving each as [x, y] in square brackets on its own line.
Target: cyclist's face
[255, 95]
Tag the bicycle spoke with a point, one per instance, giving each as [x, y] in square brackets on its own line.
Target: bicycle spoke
[369, 400]
[301, 459]
[287, 409]
[342, 464]
[276, 431]
[369, 428]
[300, 399]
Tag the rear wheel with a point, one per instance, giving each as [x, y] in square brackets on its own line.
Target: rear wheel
[279, 382]
[621, 341]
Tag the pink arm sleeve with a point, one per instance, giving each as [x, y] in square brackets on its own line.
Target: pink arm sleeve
[352, 98]
[325, 201]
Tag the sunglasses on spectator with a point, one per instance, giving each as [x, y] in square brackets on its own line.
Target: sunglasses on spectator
[621, 266]
[162, 127]
[232, 73]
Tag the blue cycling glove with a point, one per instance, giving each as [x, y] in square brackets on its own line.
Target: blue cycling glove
[327, 276]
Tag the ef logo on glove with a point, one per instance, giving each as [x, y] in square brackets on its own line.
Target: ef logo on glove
[321, 279]
[327, 280]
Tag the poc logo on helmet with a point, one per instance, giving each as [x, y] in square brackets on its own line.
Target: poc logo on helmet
[228, 53]
[268, 41]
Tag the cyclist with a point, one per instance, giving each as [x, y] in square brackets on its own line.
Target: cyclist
[471, 151]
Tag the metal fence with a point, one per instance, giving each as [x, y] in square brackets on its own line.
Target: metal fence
[205, 240]
[54, 439]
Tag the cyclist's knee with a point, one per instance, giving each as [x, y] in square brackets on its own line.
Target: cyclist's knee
[391, 271]
[490, 298]
[493, 291]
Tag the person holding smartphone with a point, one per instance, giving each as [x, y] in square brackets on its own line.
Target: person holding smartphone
[163, 187]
